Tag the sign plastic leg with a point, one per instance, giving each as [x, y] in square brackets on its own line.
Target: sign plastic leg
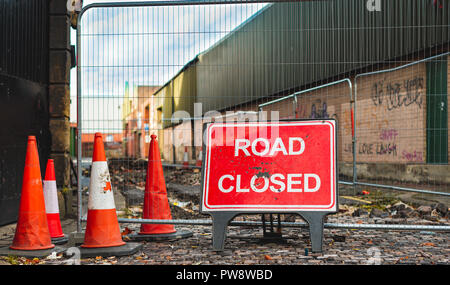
[220, 223]
[315, 221]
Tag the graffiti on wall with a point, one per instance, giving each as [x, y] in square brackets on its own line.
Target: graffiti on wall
[395, 95]
[388, 134]
[414, 156]
[318, 110]
[385, 145]
[378, 148]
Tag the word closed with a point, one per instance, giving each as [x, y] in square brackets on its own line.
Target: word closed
[291, 171]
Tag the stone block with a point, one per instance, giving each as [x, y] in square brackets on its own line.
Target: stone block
[60, 133]
[59, 100]
[59, 32]
[65, 208]
[60, 62]
[61, 204]
[62, 168]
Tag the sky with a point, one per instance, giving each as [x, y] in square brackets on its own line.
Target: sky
[144, 46]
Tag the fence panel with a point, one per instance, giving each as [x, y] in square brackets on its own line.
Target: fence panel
[164, 68]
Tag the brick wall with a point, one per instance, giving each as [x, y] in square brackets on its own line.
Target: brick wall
[391, 116]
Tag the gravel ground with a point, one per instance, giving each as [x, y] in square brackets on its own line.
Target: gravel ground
[242, 246]
[246, 246]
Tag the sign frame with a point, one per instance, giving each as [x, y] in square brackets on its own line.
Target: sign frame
[315, 218]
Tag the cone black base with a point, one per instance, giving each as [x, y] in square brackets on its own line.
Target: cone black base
[129, 248]
[179, 234]
[5, 251]
[60, 240]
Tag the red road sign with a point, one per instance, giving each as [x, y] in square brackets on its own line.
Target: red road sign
[270, 166]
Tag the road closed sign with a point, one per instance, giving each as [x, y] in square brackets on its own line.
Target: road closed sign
[286, 166]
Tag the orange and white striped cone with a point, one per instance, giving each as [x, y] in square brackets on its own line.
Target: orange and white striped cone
[102, 236]
[51, 205]
[185, 158]
[102, 227]
[199, 159]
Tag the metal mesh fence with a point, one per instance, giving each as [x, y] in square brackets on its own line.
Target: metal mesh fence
[165, 68]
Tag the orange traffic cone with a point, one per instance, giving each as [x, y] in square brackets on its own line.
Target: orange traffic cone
[32, 231]
[156, 204]
[51, 201]
[199, 159]
[102, 226]
[185, 158]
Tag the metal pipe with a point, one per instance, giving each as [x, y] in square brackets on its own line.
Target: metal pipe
[387, 227]
[295, 106]
[305, 91]
[126, 4]
[403, 188]
[179, 165]
[79, 144]
[345, 182]
[275, 101]
[398, 188]
[353, 121]
[238, 113]
[208, 222]
[399, 67]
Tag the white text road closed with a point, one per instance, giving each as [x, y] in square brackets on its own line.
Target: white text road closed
[247, 148]
[295, 182]
[294, 170]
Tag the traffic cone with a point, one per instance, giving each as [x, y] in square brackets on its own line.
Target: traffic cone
[185, 158]
[199, 159]
[156, 203]
[51, 202]
[102, 226]
[32, 231]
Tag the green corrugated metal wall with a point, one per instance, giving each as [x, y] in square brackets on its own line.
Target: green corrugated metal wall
[290, 45]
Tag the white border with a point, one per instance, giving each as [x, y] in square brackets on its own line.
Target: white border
[284, 208]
